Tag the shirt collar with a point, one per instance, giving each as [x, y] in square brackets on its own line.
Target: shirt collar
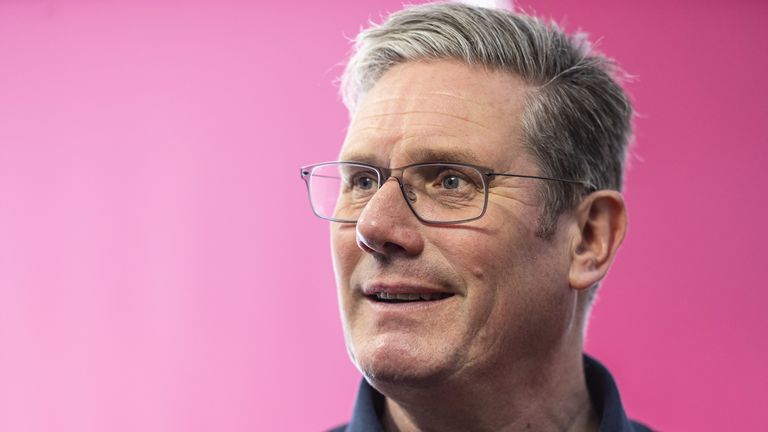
[369, 406]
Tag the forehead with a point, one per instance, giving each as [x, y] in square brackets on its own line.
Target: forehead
[439, 110]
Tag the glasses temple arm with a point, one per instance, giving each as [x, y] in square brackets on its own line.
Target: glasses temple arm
[588, 185]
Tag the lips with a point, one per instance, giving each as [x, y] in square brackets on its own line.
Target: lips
[401, 293]
[407, 297]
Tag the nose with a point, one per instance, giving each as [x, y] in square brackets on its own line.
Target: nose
[387, 226]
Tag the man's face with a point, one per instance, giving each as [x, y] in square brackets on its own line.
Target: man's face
[509, 294]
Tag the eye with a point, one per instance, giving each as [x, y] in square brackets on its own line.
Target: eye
[363, 182]
[451, 182]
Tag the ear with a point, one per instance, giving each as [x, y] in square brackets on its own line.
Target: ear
[602, 223]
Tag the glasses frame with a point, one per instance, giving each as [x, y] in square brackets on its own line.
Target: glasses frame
[385, 174]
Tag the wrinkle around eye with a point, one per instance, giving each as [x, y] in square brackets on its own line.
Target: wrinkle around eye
[525, 198]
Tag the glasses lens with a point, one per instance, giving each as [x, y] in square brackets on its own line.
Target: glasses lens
[340, 191]
[445, 192]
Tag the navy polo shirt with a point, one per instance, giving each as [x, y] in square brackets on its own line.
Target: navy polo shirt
[369, 406]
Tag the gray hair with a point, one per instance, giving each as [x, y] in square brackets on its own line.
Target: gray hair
[577, 118]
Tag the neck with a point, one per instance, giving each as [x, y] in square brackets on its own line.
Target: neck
[533, 395]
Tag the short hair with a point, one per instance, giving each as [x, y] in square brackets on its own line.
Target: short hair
[577, 119]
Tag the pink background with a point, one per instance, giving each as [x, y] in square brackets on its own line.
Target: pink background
[160, 269]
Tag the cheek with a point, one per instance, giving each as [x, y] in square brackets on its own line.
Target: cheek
[499, 267]
[344, 252]
[482, 257]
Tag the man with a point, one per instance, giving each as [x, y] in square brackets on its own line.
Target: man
[475, 210]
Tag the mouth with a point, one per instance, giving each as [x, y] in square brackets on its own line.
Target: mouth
[389, 297]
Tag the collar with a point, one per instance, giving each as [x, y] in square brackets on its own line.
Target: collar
[369, 405]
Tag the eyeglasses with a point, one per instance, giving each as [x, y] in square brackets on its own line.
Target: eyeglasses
[437, 193]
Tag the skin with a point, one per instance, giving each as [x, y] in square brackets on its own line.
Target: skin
[504, 352]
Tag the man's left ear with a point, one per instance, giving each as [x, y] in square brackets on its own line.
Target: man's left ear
[601, 222]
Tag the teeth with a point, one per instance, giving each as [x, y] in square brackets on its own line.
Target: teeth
[410, 296]
[393, 296]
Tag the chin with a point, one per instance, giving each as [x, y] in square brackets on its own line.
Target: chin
[401, 363]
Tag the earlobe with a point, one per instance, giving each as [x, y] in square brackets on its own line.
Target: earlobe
[601, 224]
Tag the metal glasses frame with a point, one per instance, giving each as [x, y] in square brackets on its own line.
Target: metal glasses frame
[386, 173]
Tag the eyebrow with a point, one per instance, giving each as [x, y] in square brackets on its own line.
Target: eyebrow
[421, 155]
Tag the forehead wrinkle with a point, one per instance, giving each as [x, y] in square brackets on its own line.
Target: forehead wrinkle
[420, 95]
[442, 128]
[436, 155]
[412, 107]
[458, 117]
[408, 100]
[371, 128]
[419, 155]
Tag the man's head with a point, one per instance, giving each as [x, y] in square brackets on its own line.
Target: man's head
[448, 83]
[576, 121]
